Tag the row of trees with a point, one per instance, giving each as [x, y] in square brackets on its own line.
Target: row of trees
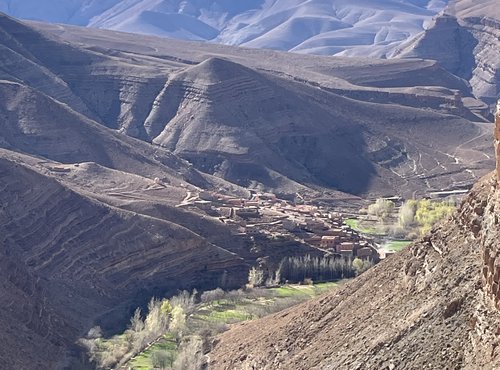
[305, 268]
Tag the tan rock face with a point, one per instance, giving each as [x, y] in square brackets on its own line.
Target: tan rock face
[491, 251]
[497, 137]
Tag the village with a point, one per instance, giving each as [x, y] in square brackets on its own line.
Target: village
[266, 215]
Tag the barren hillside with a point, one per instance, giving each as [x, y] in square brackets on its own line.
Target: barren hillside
[262, 119]
[71, 261]
[315, 26]
[424, 308]
[434, 305]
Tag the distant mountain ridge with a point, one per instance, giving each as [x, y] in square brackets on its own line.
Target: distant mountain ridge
[327, 27]
[465, 40]
[292, 121]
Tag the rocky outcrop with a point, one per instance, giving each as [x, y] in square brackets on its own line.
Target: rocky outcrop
[491, 249]
[497, 138]
[465, 41]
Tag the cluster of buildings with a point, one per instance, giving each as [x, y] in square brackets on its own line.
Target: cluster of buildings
[266, 215]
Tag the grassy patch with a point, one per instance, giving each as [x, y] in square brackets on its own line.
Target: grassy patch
[397, 245]
[302, 290]
[226, 315]
[143, 360]
[356, 225]
[287, 291]
[352, 223]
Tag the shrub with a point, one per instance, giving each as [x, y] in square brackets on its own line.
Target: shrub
[136, 323]
[94, 333]
[162, 359]
[255, 277]
[406, 215]
[360, 265]
[382, 209]
[212, 295]
[398, 232]
[178, 322]
[190, 356]
[185, 300]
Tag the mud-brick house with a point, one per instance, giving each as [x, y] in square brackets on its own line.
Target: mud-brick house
[365, 253]
[329, 241]
[347, 248]
[315, 226]
[235, 202]
[248, 212]
[333, 232]
[314, 240]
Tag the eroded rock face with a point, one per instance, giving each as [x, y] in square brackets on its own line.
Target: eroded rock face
[465, 41]
[497, 138]
[69, 262]
[491, 222]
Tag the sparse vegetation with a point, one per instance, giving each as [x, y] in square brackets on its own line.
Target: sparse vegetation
[181, 342]
[162, 317]
[255, 277]
[382, 209]
[363, 228]
[429, 213]
[414, 218]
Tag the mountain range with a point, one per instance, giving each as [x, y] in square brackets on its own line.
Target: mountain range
[456, 33]
[263, 119]
[362, 28]
[105, 134]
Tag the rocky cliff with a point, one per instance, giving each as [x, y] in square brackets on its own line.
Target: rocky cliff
[434, 305]
[491, 249]
[465, 41]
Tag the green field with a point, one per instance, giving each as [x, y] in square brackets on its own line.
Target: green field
[397, 245]
[257, 303]
[303, 290]
[143, 360]
[356, 225]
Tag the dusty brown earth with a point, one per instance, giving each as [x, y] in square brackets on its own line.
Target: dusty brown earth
[70, 262]
[262, 119]
[423, 308]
